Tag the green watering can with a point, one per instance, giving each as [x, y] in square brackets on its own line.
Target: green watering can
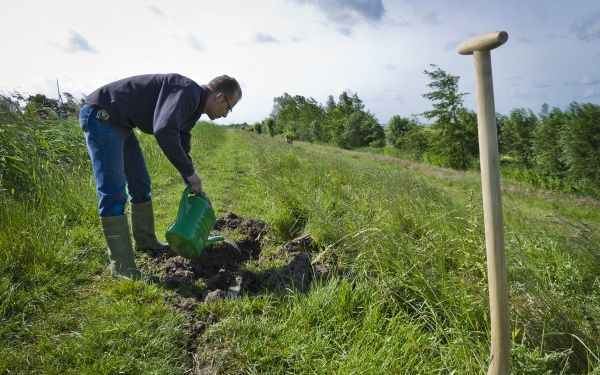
[188, 235]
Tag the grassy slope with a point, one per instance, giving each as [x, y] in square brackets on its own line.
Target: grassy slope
[409, 294]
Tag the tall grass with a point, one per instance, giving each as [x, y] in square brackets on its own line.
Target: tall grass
[420, 246]
[406, 292]
[40, 201]
[56, 316]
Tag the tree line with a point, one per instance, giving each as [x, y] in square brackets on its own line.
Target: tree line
[39, 106]
[344, 123]
[556, 148]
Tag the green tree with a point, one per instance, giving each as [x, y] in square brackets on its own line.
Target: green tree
[351, 135]
[372, 132]
[316, 131]
[270, 125]
[580, 139]
[468, 132]
[408, 135]
[345, 123]
[40, 106]
[70, 106]
[547, 148]
[447, 101]
[517, 135]
[296, 113]
[453, 139]
[349, 125]
[9, 108]
[333, 124]
[397, 127]
[415, 142]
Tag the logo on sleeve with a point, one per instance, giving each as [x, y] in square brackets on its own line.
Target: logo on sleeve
[102, 115]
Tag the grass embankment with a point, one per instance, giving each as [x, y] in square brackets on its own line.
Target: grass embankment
[408, 292]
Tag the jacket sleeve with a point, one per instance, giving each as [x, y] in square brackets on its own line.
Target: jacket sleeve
[186, 138]
[173, 110]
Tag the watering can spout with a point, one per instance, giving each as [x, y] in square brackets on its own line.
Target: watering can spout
[189, 233]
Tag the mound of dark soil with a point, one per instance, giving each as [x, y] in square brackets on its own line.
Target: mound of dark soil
[216, 274]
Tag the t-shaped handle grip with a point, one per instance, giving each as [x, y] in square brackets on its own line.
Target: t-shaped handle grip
[483, 42]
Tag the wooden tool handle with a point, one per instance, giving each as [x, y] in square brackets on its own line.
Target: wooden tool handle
[483, 42]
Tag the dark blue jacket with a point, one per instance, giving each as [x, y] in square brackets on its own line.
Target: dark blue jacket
[166, 105]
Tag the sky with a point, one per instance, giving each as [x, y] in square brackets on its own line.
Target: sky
[377, 49]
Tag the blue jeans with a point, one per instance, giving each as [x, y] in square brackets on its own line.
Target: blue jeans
[117, 162]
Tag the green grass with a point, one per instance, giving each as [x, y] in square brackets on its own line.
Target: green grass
[408, 293]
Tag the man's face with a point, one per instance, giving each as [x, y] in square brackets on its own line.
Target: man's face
[222, 106]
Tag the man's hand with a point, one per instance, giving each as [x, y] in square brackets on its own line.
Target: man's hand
[195, 183]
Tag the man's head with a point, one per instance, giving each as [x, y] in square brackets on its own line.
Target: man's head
[224, 93]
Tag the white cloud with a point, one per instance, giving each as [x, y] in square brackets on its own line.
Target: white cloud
[77, 43]
[587, 26]
[347, 14]
[428, 16]
[265, 38]
[157, 11]
[590, 94]
[195, 43]
[583, 80]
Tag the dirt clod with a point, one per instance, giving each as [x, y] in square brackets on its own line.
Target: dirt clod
[252, 228]
[215, 295]
[186, 305]
[297, 274]
[199, 328]
[299, 244]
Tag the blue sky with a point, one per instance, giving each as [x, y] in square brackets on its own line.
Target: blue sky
[315, 48]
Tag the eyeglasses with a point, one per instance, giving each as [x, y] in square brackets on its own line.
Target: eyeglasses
[229, 109]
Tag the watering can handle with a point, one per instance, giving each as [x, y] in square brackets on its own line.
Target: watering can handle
[184, 205]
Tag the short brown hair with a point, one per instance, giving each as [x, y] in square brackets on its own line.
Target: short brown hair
[227, 85]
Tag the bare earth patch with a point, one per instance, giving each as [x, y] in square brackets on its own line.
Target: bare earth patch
[216, 274]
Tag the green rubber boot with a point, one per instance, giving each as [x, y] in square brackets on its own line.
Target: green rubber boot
[120, 251]
[142, 225]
